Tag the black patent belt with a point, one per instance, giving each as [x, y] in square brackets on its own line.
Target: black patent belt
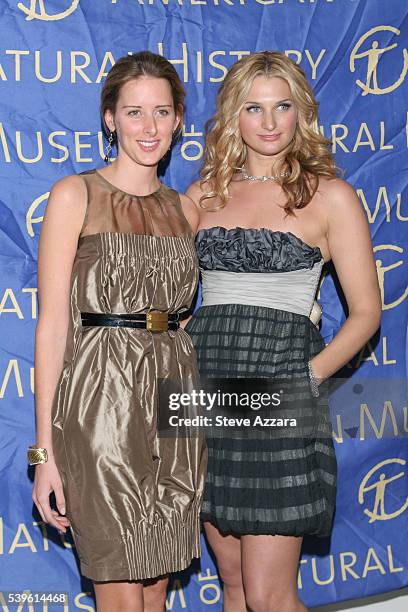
[154, 321]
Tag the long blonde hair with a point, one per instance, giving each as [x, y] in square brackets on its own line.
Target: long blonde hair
[307, 156]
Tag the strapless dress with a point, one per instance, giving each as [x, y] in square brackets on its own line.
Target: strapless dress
[258, 289]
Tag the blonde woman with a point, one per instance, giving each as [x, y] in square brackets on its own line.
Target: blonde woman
[272, 212]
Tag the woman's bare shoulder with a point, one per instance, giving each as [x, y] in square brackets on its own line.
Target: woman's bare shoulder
[68, 186]
[67, 201]
[341, 204]
[190, 210]
[336, 189]
[197, 189]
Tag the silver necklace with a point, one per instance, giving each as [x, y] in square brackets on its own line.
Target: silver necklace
[248, 177]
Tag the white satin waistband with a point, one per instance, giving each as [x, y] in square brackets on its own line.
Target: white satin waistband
[292, 291]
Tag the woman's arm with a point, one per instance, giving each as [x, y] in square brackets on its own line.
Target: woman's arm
[60, 230]
[349, 242]
[191, 212]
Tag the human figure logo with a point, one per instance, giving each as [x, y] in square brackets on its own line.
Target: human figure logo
[373, 56]
[382, 271]
[36, 10]
[379, 487]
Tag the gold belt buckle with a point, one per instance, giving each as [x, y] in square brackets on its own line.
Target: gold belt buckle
[157, 321]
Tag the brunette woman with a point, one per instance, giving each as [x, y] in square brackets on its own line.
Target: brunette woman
[117, 270]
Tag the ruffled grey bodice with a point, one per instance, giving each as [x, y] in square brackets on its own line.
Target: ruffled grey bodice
[253, 250]
[260, 267]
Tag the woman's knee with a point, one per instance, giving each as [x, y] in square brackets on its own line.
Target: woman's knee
[229, 571]
[118, 596]
[261, 599]
[154, 592]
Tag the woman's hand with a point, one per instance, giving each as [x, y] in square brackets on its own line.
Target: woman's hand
[184, 322]
[318, 379]
[47, 479]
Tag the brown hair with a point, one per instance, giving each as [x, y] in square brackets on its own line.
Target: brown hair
[143, 63]
[307, 157]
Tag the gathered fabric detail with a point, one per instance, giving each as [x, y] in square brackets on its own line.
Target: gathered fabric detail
[144, 550]
[253, 250]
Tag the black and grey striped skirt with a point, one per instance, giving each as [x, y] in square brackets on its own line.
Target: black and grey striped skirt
[264, 485]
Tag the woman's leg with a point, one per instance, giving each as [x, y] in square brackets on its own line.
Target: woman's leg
[154, 594]
[149, 596]
[227, 550]
[118, 596]
[269, 569]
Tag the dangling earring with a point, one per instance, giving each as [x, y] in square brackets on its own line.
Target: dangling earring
[108, 148]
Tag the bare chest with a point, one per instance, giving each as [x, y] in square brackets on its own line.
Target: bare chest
[256, 206]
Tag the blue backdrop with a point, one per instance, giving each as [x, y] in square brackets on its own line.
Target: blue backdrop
[54, 54]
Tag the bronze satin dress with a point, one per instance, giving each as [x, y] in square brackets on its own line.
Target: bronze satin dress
[133, 498]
